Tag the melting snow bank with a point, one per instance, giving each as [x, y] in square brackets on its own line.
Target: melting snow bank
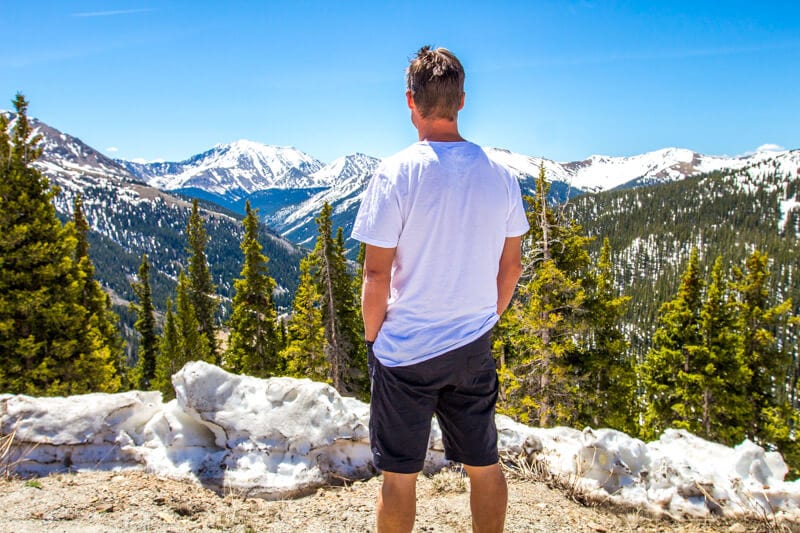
[680, 474]
[284, 437]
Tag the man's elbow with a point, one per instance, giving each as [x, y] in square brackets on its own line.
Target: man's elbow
[512, 270]
[377, 276]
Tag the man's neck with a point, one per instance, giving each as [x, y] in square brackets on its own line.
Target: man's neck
[438, 130]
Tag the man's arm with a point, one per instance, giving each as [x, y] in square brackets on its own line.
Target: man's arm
[509, 272]
[375, 290]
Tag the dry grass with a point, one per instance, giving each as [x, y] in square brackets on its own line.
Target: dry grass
[758, 519]
[534, 469]
[7, 465]
[449, 480]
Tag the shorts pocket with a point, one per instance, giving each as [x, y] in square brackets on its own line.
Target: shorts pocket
[481, 363]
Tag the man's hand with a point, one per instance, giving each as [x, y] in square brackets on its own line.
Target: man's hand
[375, 290]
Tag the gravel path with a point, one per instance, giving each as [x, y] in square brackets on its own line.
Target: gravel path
[137, 501]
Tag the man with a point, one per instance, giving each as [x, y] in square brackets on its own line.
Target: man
[442, 225]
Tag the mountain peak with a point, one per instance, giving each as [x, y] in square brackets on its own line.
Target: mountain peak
[234, 169]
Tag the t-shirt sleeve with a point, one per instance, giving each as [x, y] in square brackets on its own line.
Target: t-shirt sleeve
[379, 221]
[516, 221]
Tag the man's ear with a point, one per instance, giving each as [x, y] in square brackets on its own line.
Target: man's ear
[410, 100]
[463, 98]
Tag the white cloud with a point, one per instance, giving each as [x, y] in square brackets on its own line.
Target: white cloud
[770, 148]
[112, 149]
[112, 13]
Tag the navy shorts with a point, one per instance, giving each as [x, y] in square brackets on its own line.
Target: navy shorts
[459, 387]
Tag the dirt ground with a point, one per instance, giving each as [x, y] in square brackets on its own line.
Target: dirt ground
[137, 501]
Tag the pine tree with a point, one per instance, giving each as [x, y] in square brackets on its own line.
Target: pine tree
[254, 341]
[92, 296]
[349, 308]
[758, 321]
[145, 326]
[343, 334]
[540, 370]
[708, 379]
[610, 374]
[201, 287]
[304, 355]
[772, 418]
[182, 340]
[678, 331]
[49, 342]
[168, 358]
[192, 342]
[718, 376]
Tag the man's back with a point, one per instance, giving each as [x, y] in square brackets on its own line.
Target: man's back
[447, 208]
[443, 227]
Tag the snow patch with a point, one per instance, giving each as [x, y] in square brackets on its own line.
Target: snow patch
[283, 437]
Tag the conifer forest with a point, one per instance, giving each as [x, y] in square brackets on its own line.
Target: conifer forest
[639, 309]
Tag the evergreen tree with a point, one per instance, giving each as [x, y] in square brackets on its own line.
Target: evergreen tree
[192, 342]
[168, 358]
[772, 419]
[92, 296]
[145, 326]
[254, 341]
[718, 377]
[304, 355]
[708, 378]
[610, 387]
[343, 335]
[201, 288]
[758, 324]
[50, 343]
[678, 329]
[539, 347]
[349, 308]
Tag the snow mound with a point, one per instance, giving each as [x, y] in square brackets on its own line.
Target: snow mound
[284, 437]
[76, 432]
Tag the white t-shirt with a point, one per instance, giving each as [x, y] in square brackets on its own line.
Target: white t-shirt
[448, 209]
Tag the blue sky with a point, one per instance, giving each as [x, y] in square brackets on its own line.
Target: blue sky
[563, 80]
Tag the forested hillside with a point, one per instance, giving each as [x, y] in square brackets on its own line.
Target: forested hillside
[652, 231]
[128, 218]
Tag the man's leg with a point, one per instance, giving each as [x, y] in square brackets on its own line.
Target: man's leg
[397, 503]
[488, 498]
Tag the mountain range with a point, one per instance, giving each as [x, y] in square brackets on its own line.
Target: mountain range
[289, 187]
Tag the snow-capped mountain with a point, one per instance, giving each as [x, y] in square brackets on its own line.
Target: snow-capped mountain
[234, 170]
[129, 218]
[69, 158]
[348, 177]
[602, 173]
[289, 187]
[778, 176]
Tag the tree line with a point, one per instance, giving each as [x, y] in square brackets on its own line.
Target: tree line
[321, 339]
[654, 228]
[720, 364]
